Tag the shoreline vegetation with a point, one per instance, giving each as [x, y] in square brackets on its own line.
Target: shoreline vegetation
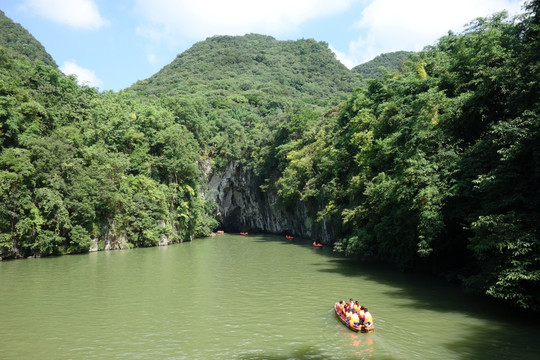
[434, 167]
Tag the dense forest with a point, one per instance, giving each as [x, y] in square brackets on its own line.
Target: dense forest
[231, 92]
[77, 165]
[17, 38]
[434, 166]
[376, 68]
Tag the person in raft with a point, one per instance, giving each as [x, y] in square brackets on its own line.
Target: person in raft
[368, 319]
[355, 319]
[351, 305]
[353, 313]
[341, 307]
[362, 314]
[348, 314]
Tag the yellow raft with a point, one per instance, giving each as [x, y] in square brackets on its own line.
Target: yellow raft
[361, 328]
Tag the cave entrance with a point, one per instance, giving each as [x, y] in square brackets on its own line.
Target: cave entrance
[232, 223]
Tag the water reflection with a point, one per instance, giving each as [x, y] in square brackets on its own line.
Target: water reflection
[237, 297]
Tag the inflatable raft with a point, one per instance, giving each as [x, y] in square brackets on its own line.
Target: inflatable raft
[361, 328]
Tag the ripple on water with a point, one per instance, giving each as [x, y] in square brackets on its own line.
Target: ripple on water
[239, 298]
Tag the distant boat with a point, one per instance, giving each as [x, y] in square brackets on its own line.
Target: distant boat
[289, 237]
[243, 233]
[316, 244]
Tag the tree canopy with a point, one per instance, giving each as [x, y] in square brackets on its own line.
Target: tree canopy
[387, 62]
[77, 166]
[437, 168]
[18, 39]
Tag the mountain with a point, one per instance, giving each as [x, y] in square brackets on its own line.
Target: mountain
[389, 61]
[303, 69]
[13, 36]
[247, 99]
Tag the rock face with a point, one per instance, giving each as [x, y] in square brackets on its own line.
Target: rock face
[112, 238]
[243, 207]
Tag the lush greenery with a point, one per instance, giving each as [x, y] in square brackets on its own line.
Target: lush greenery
[243, 87]
[434, 167]
[438, 167]
[78, 165]
[376, 68]
[254, 67]
[17, 38]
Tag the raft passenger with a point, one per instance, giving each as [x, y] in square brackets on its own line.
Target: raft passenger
[362, 315]
[341, 307]
[368, 319]
[355, 319]
[348, 314]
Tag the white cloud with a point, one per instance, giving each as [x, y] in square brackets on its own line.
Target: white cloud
[84, 76]
[391, 25]
[78, 14]
[151, 57]
[345, 59]
[203, 18]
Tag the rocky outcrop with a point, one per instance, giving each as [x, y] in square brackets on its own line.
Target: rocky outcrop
[116, 239]
[112, 239]
[243, 206]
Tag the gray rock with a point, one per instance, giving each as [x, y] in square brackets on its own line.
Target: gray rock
[243, 206]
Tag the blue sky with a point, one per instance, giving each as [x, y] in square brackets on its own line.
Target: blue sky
[110, 44]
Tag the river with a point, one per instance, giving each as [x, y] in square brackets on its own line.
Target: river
[242, 297]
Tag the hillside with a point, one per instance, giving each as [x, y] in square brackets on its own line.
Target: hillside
[82, 170]
[244, 88]
[13, 36]
[254, 64]
[388, 62]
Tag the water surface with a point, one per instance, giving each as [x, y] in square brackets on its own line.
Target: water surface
[241, 297]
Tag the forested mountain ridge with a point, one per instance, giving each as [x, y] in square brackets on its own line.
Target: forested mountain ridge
[239, 95]
[242, 88]
[17, 38]
[435, 168]
[252, 63]
[390, 62]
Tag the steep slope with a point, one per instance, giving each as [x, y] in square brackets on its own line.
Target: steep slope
[303, 69]
[243, 97]
[82, 170]
[13, 36]
[388, 61]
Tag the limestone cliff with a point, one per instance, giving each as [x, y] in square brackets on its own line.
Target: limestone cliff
[243, 206]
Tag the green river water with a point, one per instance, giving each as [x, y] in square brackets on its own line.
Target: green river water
[242, 297]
